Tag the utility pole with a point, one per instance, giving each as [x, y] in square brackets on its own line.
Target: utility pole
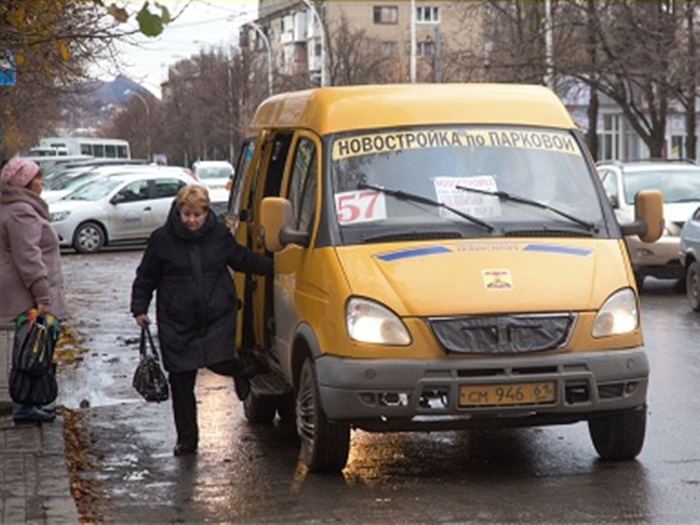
[413, 42]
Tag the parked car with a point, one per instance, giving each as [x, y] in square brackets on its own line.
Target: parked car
[214, 174]
[69, 180]
[679, 182]
[690, 258]
[119, 207]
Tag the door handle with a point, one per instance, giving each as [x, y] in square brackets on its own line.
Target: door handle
[147, 208]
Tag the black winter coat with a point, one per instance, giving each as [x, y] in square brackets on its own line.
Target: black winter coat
[196, 301]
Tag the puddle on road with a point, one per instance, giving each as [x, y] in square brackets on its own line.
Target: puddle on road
[98, 289]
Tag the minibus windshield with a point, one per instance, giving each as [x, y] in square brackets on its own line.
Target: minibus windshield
[372, 172]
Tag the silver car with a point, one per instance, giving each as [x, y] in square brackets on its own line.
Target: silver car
[690, 257]
[679, 182]
[116, 208]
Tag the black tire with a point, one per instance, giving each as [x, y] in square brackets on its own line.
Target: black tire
[259, 409]
[325, 446]
[619, 436]
[692, 286]
[89, 238]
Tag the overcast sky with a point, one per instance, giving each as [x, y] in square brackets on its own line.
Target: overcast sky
[201, 24]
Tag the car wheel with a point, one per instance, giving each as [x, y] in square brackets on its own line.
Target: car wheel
[620, 435]
[88, 238]
[692, 286]
[259, 409]
[324, 445]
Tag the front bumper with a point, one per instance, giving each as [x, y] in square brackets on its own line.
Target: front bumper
[406, 395]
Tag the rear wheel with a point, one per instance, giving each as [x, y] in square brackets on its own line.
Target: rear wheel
[692, 287]
[88, 238]
[324, 445]
[619, 435]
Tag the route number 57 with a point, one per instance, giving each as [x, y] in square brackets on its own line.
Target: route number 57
[360, 206]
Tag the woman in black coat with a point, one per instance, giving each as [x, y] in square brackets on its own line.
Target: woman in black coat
[187, 262]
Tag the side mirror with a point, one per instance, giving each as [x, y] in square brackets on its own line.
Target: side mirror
[276, 221]
[614, 201]
[648, 216]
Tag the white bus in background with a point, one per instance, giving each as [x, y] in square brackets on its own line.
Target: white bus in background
[92, 146]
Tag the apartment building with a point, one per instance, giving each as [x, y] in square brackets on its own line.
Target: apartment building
[353, 42]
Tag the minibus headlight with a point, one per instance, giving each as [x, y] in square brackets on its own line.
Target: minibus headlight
[370, 322]
[618, 315]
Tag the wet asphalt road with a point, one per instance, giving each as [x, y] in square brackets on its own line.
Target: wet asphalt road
[249, 474]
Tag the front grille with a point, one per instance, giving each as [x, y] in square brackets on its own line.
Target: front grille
[509, 334]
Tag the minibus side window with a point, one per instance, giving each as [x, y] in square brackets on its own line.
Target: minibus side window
[244, 160]
[302, 184]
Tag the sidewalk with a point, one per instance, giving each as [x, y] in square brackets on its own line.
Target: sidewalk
[34, 479]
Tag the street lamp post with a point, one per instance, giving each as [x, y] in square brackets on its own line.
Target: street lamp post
[148, 120]
[310, 5]
[269, 55]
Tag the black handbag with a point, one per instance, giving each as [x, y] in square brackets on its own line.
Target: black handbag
[149, 379]
[33, 372]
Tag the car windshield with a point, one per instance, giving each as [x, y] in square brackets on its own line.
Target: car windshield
[94, 191]
[376, 178]
[676, 184]
[214, 172]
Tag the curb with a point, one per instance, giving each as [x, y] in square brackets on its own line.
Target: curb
[6, 335]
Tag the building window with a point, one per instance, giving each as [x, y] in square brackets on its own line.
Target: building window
[426, 48]
[386, 14]
[428, 14]
[609, 138]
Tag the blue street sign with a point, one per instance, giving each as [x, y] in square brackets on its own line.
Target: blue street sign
[7, 70]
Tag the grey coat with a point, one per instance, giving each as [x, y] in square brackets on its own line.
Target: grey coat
[30, 258]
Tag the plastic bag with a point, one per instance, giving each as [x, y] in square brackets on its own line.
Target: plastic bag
[149, 379]
[33, 373]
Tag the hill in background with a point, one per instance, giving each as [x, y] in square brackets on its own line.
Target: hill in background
[94, 103]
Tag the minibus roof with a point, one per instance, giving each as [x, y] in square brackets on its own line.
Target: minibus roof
[335, 109]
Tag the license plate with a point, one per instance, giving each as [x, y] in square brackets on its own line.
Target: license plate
[503, 395]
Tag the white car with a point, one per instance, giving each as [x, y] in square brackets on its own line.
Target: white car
[215, 175]
[679, 182]
[116, 208]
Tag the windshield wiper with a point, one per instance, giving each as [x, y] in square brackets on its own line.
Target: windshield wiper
[523, 200]
[402, 195]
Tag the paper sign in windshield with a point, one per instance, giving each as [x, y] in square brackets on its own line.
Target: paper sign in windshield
[465, 201]
[359, 206]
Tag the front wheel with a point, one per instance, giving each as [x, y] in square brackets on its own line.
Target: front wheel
[324, 445]
[88, 238]
[692, 285]
[619, 435]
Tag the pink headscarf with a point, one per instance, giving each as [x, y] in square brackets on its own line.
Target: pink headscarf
[19, 172]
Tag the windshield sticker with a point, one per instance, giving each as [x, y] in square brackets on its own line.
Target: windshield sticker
[497, 279]
[441, 138]
[471, 203]
[412, 252]
[353, 207]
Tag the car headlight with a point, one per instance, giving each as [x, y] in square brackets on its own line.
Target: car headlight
[370, 322]
[618, 315]
[59, 216]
